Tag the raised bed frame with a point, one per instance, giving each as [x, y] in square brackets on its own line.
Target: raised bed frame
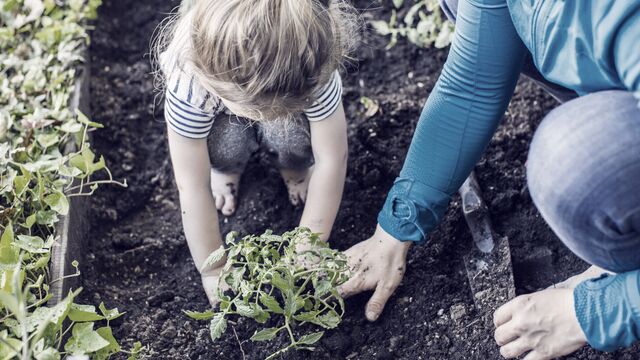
[73, 228]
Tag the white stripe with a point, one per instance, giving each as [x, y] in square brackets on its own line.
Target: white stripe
[187, 135]
[186, 124]
[330, 100]
[329, 88]
[184, 133]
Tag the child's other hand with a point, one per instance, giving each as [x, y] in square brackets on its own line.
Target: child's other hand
[211, 282]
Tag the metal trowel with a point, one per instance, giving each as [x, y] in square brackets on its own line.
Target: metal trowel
[488, 264]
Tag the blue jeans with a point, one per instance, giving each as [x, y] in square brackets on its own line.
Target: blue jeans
[583, 171]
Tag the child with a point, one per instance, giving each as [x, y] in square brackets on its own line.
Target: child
[240, 75]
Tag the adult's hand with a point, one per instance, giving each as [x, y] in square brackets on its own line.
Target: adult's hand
[544, 324]
[378, 264]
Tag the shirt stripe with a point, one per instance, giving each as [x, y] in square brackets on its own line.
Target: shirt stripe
[190, 109]
[328, 101]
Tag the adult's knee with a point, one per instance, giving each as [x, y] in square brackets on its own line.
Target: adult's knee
[583, 174]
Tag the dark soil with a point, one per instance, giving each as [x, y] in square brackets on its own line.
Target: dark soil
[138, 259]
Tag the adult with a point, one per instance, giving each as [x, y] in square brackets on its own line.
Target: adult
[583, 168]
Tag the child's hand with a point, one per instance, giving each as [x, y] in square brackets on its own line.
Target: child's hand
[211, 282]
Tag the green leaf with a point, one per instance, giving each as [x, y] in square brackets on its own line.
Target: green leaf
[109, 314]
[137, 349]
[47, 139]
[30, 221]
[113, 347]
[265, 334]
[48, 354]
[398, 3]
[46, 217]
[32, 244]
[279, 282]
[329, 320]
[322, 287]
[245, 310]
[10, 302]
[310, 339]
[218, 326]
[206, 315]
[71, 127]
[231, 237]
[9, 257]
[7, 236]
[271, 303]
[9, 347]
[293, 304]
[85, 340]
[59, 311]
[85, 161]
[381, 27]
[85, 120]
[58, 202]
[21, 183]
[308, 316]
[213, 258]
[83, 313]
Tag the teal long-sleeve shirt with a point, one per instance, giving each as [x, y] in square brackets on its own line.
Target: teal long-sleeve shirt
[583, 45]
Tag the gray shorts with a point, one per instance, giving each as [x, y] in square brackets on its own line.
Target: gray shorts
[233, 140]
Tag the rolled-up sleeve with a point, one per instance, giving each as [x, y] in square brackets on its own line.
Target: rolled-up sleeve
[458, 120]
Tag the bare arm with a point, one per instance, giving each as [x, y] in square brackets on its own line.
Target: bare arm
[191, 167]
[329, 143]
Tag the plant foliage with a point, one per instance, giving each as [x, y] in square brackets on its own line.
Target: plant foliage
[423, 25]
[273, 281]
[41, 45]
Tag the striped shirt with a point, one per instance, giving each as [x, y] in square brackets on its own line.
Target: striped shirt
[190, 109]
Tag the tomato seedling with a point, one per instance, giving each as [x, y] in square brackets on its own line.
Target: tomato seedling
[283, 280]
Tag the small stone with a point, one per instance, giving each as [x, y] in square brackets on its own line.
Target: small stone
[457, 312]
[404, 300]
[385, 354]
[440, 312]
[157, 299]
[393, 342]
[170, 332]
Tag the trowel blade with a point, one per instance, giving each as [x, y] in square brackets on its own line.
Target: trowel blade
[488, 264]
[490, 275]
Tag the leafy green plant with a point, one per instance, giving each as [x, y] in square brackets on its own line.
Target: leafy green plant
[423, 25]
[41, 44]
[271, 279]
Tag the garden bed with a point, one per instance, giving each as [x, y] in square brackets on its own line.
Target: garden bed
[138, 259]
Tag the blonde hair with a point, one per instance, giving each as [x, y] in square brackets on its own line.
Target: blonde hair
[269, 57]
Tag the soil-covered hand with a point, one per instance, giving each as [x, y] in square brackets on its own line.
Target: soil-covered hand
[378, 264]
[544, 324]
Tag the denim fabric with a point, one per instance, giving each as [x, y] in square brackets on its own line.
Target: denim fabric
[584, 176]
[233, 140]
